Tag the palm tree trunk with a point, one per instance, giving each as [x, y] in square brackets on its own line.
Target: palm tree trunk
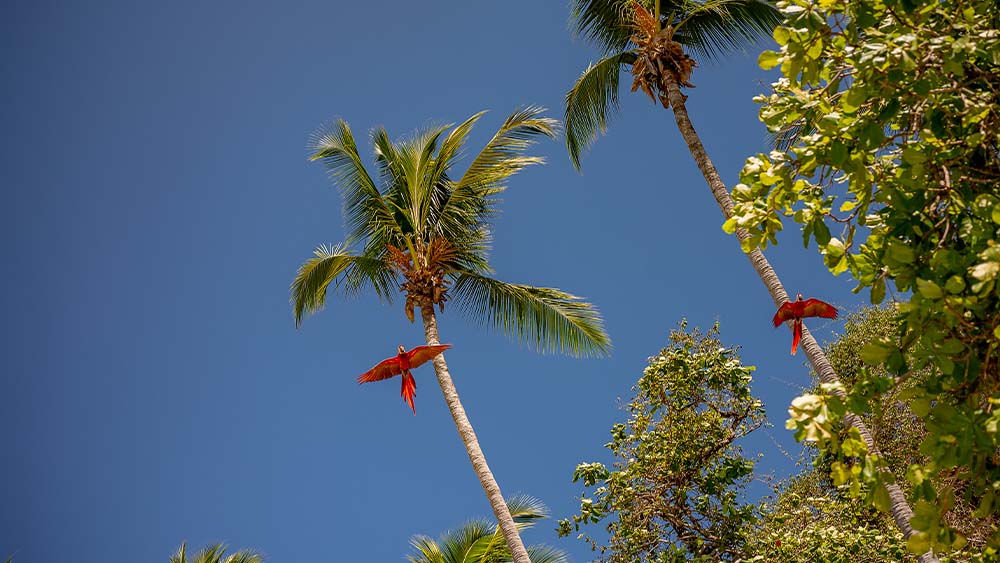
[901, 511]
[490, 486]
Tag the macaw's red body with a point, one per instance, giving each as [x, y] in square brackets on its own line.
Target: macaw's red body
[402, 364]
[796, 310]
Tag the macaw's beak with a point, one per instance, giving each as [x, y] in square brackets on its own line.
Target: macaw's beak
[401, 349]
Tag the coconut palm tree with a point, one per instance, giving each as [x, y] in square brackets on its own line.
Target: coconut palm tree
[216, 554]
[655, 47]
[481, 541]
[419, 222]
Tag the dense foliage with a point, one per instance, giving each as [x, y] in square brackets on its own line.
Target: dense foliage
[673, 493]
[889, 125]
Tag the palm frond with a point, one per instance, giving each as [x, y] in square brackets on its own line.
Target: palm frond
[309, 289]
[365, 211]
[546, 554]
[710, 28]
[502, 156]
[589, 102]
[717, 28]
[245, 556]
[548, 319]
[605, 22]
[462, 209]
[181, 555]
[427, 550]
[525, 510]
[467, 542]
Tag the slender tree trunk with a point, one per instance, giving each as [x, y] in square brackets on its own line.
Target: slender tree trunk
[901, 511]
[490, 487]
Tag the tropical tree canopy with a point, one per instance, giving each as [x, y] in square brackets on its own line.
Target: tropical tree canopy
[709, 29]
[480, 541]
[420, 221]
[675, 490]
[893, 169]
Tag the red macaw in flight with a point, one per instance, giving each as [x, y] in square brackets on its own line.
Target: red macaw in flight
[402, 364]
[796, 310]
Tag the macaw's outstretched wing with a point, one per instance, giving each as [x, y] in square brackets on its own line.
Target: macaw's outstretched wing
[421, 354]
[385, 369]
[785, 313]
[817, 308]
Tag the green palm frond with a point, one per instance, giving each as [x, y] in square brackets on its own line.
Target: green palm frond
[462, 209]
[427, 550]
[214, 554]
[525, 510]
[181, 555]
[548, 319]
[719, 28]
[365, 212]
[604, 22]
[588, 104]
[502, 157]
[546, 554]
[468, 543]
[245, 556]
[481, 541]
[308, 291]
[711, 28]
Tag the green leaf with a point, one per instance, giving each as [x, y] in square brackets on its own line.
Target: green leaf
[768, 60]
[874, 353]
[918, 543]
[780, 35]
[882, 500]
[929, 289]
[899, 253]
[878, 291]
[821, 231]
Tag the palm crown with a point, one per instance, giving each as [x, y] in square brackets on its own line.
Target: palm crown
[480, 541]
[425, 225]
[621, 29]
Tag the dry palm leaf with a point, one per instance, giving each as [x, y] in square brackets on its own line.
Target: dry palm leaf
[658, 54]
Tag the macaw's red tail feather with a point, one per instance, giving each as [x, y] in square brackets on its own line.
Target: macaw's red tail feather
[796, 336]
[409, 390]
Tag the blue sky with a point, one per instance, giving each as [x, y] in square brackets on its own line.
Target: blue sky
[158, 201]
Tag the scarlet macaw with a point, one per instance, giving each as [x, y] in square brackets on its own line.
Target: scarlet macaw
[402, 364]
[796, 310]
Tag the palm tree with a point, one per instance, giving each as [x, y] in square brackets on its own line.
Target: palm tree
[216, 554]
[653, 44]
[480, 541]
[427, 226]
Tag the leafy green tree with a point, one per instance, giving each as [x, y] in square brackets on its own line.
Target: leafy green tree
[816, 516]
[481, 541]
[423, 223]
[216, 554]
[653, 45]
[673, 493]
[892, 105]
[811, 521]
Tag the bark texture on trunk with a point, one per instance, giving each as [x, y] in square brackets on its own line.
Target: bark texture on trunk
[489, 484]
[901, 511]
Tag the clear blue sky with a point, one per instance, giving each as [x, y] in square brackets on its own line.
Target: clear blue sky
[157, 202]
